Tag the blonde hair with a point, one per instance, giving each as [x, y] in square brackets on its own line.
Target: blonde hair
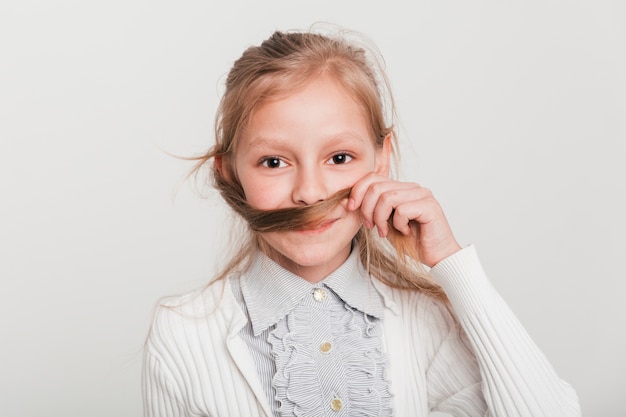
[286, 62]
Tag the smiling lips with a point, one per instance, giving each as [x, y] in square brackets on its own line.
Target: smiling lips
[315, 228]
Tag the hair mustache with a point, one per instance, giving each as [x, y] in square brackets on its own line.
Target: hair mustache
[282, 219]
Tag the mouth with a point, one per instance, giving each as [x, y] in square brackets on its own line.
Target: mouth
[317, 227]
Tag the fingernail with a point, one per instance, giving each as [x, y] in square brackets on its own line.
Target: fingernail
[351, 204]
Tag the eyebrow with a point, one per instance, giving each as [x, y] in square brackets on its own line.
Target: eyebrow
[330, 140]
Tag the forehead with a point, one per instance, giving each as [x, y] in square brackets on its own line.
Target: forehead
[322, 107]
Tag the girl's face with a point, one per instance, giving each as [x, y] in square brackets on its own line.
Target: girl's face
[299, 150]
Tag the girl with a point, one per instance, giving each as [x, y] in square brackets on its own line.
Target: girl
[317, 315]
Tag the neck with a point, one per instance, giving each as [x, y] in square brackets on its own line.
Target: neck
[310, 273]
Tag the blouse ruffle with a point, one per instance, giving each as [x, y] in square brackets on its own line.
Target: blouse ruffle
[354, 370]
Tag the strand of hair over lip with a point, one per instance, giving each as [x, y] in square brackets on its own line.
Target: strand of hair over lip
[295, 218]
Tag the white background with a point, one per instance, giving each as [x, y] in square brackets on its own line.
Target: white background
[514, 113]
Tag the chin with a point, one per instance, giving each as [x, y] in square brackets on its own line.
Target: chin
[310, 258]
[311, 261]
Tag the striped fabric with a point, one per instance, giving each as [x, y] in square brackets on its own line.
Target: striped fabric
[317, 348]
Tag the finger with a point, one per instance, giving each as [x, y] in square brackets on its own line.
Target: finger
[421, 211]
[378, 201]
[389, 201]
[360, 188]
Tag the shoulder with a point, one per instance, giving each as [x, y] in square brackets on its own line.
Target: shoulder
[419, 311]
[208, 297]
[194, 316]
[198, 303]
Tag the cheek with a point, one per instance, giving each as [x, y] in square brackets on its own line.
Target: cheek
[263, 194]
[351, 177]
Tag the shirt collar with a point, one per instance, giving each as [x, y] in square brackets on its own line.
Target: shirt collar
[271, 292]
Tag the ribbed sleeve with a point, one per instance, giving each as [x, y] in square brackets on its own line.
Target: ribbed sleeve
[161, 396]
[517, 379]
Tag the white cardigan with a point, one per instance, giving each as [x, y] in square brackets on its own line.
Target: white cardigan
[482, 364]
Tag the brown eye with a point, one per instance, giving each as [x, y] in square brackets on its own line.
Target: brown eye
[340, 158]
[272, 162]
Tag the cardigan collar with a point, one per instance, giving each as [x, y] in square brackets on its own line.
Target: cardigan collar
[271, 292]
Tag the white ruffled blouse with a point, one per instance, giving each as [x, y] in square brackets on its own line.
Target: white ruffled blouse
[317, 347]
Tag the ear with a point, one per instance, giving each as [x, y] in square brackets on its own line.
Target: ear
[383, 157]
[222, 166]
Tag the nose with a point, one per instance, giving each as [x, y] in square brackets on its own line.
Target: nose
[309, 187]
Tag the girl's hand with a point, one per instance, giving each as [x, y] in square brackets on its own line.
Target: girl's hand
[378, 198]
